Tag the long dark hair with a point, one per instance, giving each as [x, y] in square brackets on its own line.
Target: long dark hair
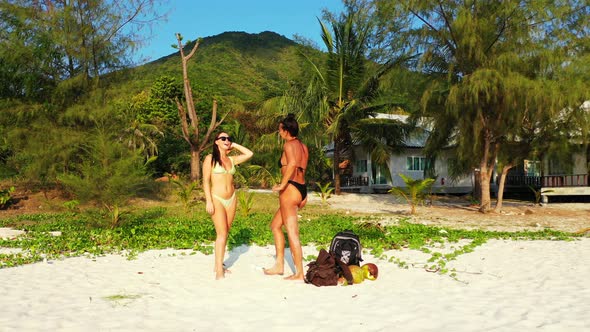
[290, 124]
[216, 155]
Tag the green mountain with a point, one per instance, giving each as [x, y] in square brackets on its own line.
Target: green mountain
[234, 65]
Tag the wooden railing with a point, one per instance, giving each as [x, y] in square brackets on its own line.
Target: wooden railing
[574, 180]
[522, 181]
[552, 181]
[354, 181]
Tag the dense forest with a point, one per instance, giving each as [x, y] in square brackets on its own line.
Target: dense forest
[499, 81]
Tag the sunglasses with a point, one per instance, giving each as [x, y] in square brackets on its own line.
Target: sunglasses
[224, 138]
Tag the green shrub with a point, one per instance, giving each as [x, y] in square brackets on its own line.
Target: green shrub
[414, 192]
[324, 191]
[185, 192]
[6, 197]
[246, 200]
[109, 175]
[72, 205]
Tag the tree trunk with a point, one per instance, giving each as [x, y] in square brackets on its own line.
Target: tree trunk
[476, 185]
[190, 120]
[486, 201]
[195, 163]
[336, 168]
[486, 168]
[501, 183]
[485, 176]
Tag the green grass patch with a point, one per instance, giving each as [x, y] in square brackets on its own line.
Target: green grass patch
[122, 299]
[89, 233]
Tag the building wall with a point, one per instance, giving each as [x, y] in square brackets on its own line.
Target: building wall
[577, 165]
[580, 163]
[399, 164]
[443, 183]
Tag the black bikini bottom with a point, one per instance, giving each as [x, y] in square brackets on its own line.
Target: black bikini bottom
[301, 187]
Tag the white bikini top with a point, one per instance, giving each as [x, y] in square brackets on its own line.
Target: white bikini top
[219, 169]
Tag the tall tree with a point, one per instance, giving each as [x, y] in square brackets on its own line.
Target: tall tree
[346, 90]
[27, 53]
[480, 54]
[55, 40]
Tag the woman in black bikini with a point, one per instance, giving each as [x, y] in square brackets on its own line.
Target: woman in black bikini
[292, 196]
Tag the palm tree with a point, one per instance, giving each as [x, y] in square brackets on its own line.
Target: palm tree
[343, 95]
[142, 137]
[338, 98]
[414, 191]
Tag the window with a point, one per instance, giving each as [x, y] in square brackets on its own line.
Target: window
[380, 175]
[558, 166]
[361, 166]
[532, 168]
[417, 163]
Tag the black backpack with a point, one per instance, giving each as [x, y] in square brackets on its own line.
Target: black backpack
[347, 247]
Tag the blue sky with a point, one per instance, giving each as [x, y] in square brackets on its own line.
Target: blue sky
[204, 18]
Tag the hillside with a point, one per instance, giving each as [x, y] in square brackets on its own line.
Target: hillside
[234, 65]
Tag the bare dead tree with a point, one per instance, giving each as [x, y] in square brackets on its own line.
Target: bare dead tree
[189, 117]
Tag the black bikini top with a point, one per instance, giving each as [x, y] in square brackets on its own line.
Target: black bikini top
[299, 168]
[281, 165]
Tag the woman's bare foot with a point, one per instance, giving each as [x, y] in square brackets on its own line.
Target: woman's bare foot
[222, 274]
[275, 270]
[297, 276]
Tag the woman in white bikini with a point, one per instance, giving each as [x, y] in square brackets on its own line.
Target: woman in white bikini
[218, 183]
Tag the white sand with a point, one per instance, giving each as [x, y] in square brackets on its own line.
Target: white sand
[501, 286]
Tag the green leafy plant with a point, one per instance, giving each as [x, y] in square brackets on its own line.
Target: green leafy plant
[110, 174]
[324, 191]
[472, 200]
[162, 227]
[122, 299]
[262, 176]
[115, 214]
[72, 205]
[246, 200]
[5, 197]
[185, 191]
[538, 193]
[414, 192]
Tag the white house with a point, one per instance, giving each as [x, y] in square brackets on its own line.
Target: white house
[569, 176]
[366, 177]
[561, 176]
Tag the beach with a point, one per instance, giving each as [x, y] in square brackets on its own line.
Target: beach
[502, 285]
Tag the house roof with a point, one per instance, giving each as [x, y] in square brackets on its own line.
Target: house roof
[416, 140]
